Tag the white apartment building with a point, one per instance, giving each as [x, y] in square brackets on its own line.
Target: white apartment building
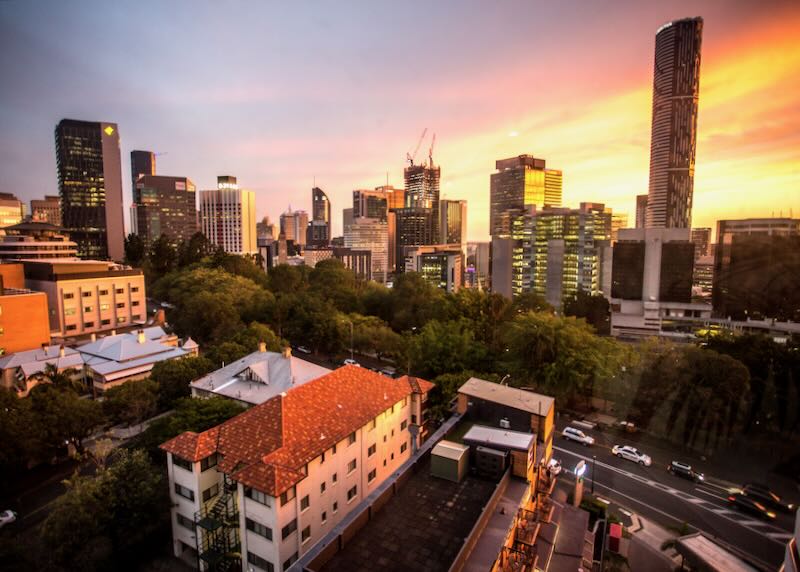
[228, 217]
[274, 480]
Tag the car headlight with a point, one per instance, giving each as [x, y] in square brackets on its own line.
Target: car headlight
[701, 478]
[771, 514]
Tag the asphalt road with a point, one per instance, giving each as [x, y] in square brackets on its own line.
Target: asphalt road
[671, 501]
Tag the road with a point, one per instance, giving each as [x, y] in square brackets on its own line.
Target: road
[671, 501]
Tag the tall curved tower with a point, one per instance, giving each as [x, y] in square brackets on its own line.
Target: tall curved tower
[676, 86]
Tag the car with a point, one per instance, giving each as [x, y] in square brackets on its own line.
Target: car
[303, 350]
[350, 361]
[632, 454]
[389, 371]
[7, 517]
[686, 471]
[573, 434]
[765, 496]
[746, 504]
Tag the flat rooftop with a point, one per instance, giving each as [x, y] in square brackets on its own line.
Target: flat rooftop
[421, 528]
[508, 396]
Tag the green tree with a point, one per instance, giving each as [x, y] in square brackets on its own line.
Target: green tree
[195, 249]
[371, 335]
[594, 309]
[162, 255]
[285, 279]
[63, 379]
[17, 433]
[414, 302]
[134, 250]
[530, 302]
[445, 347]
[131, 402]
[331, 281]
[256, 333]
[64, 417]
[173, 377]
[225, 353]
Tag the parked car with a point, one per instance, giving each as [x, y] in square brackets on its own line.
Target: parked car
[573, 434]
[768, 498]
[303, 350]
[349, 361]
[746, 504]
[686, 471]
[632, 454]
[7, 517]
[389, 371]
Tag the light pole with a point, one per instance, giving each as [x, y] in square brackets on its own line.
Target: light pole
[594, 477]
[351, 339]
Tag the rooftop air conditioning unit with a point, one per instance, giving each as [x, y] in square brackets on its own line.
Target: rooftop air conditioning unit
[505, 423]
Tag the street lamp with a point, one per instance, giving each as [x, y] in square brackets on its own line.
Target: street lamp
[351, 338]
[594, 477]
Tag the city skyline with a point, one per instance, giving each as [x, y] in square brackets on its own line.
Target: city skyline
[593, 120]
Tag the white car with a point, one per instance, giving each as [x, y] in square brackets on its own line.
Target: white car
[632, 454]
[7, 517]
[349, 361]
[303, 350]
[573, 434]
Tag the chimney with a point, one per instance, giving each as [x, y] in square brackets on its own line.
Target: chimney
[94, 337]
[61, 351]
[287, 352]
[140, 337]
[113, 332]
[262, 347]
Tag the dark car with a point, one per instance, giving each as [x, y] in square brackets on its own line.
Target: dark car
[683, 470]
[765, 496]
[746, 504]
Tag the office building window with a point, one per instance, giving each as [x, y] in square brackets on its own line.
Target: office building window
[105, 322]
[88, 324]
[288, 529]
[104, 307]
[120, 304]
[184, 492]
[120, 291]
[104, 292]
[68, 295]
[135, 289]
[258, 528]
[258, 562]
[88, 308]
[69, 311]
[87, 294]
[71, 327]
[257, 496]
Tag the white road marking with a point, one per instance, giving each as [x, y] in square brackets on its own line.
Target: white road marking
[709, 493]
[782, 536]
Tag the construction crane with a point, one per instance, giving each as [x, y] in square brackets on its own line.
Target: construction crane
[410, 156]
[430, 151]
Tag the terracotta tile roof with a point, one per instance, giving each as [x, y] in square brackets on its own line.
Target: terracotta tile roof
[419, 385]
[193, 446]
[267, 446]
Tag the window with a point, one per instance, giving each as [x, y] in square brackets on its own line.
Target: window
[305, 502]
[372, 425]
[404, 402]
[136, 317]
[135, 289]
[210, 492]
[403, 425]
[119, 291]
[352, 438]
[413, 419]
[88, 324]
[334, 478]
[392, 432]
[88, 308]
[305, 535]
[403, 448]
[68, 295]
[384, 438]
[105, 322]
[287, 496]
[104, 307]
[288, 529]
[324, 517]
[371, 450]
[384, 462]
[258, 528]
[120, 304]
[392, 456]
[86, 294]
[335, 507]
[333, 451]
[322, 458]
[182, 463]
[185, 522]
[184, 492]
[69, 311]
[322, 488]
[372, 474]
[104, 292]
[71, 327]
[351, 494]
[292, 560]
[351, 466]
[259, 562]
[208, 462]
[257, 496]
[135, 303]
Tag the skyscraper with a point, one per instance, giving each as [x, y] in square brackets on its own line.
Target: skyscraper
[422, 191]
[641, 211]
[520, 183]
[90, 187]
[228, 216]
[701, 237]
[319, 230]
[142, 163]
[293, 226]
[413, 228]
[453, 223]
[164, 205]
[370, 234]
[676, 86]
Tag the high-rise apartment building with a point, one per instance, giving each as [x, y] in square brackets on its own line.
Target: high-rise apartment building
[676, 87]
[441, 266]
[228, 217]
[641, 211]
[412, 228]
[371, 234]
[46, 210]
[701, 237]
[293, 226]
[453, 223]
[164, 205]
[618, 222]
[422, 191]
[319, 230]
[267, 229]
[90, 187]
[142, 163]
[756, 269]
[520, 184]
[12, 210]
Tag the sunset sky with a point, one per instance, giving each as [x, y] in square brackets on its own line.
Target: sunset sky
[278, 93]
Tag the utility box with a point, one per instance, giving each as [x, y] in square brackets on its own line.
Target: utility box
[614, 536]
[450, 461]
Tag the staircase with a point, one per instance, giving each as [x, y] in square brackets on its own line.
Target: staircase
[217, 525]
